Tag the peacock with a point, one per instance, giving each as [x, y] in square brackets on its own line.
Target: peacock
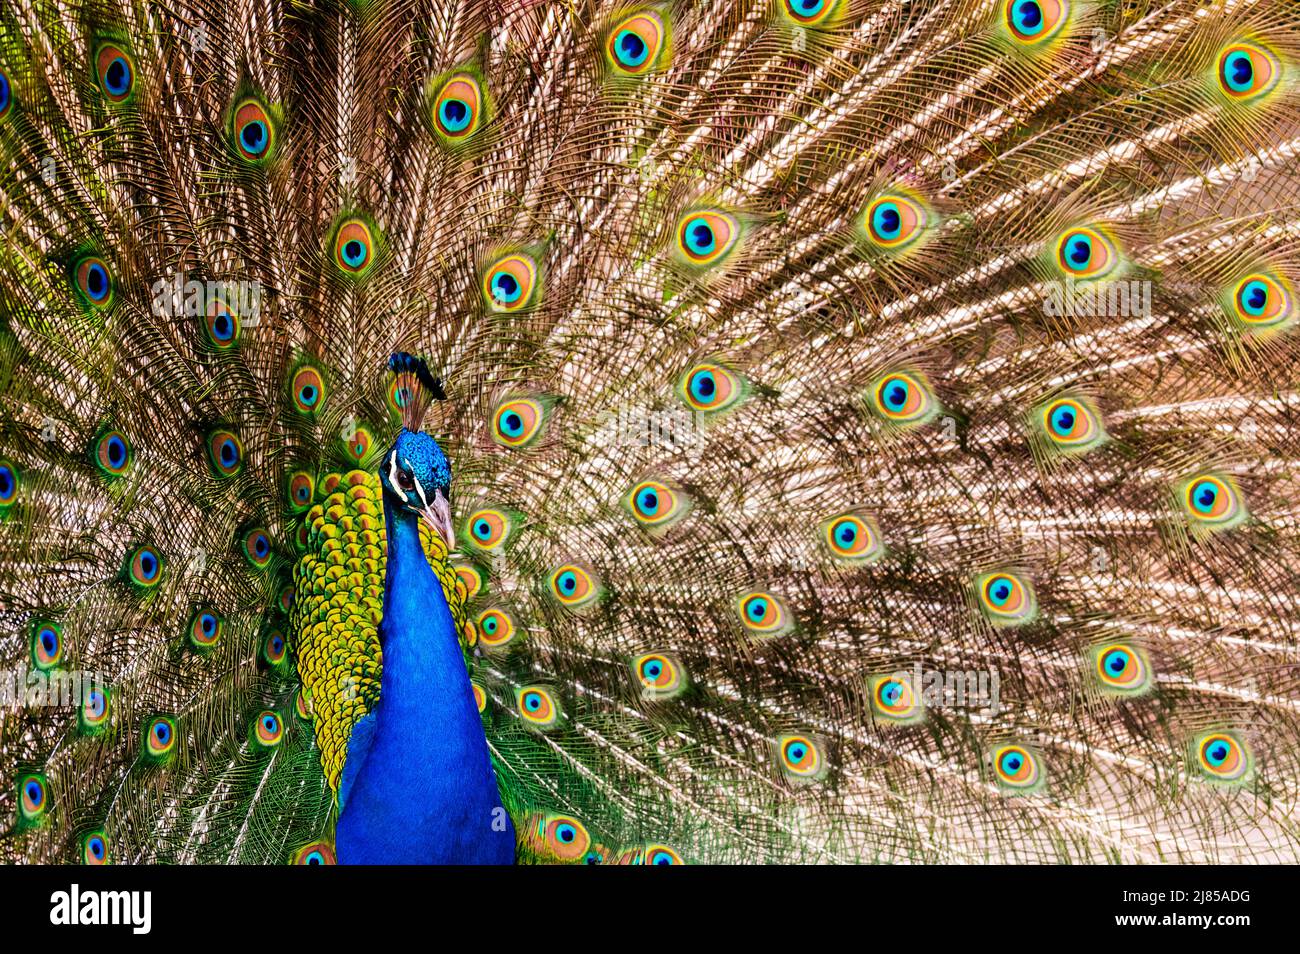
[649, 431]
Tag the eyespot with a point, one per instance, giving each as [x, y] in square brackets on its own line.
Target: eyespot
[256, 545]
[893, 698]
[359, 444]
[634, 45]
[655, 505]
[115, 72]
[159, 739]
[267, 730]
[480, 697]
[94, 711]
[145, 567]
[94, 849]
[458, 108]
[221, 323]
[1005, 598]
[1222, 757]
[488, 528]
[472, 577]
[317, 853]
[1085, 253]
[33, 798]
[518, 422]
[1213, 502]
[495, 628]
[1261, 302]
[574, 587]
[47, 643]
[1016, 768]
[205, 629]
[562, 836]
[510, 283]
[307, 388]
[9, 483]
[809, 13]
[705, 237]
[285, 599]
[225, 453]
[537, 706]
[354, 248]
[710, 388]
[111, 453]
[1032, 21]
[1071, 425]
[1121, 667]
[799, 756]
[301, 490]
[1247, 71]
[93, 281]
[273, 648]
[762, 613]
[894, 221]
[252, 131]
[661, 676]
[6, 95]
[903, 398]
[853, 538]
[661, 855]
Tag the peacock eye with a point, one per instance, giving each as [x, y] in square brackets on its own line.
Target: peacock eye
[405, 480]
[1032, 21]
[893, 221]
[634, 45]
[1247, 71]
[1086, 253]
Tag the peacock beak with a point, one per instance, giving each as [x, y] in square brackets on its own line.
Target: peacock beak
[438, 515]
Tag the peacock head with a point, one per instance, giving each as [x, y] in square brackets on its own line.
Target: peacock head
[415, 473]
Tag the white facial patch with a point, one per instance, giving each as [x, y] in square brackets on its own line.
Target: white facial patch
[392, 477]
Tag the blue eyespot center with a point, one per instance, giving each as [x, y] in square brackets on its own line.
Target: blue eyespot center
[632, 50]
[1080, 251]
[162, 732]
[455, 114]
[757, 609]
[896, 396]
[1240, 71]
[482, 529]
[1254, 297]
[1116, 662]
[533, 701]
[117, 77]
[354, 253]
[1204, 496]
[7, 484]
[506, 288]
[1011, 763]
[700, 237]
[229, 453]
[254, 136]
[568, 582]
[96, 845]
[148, 564]
[648, 500]
[703, 385]
[566, 833]
[887, 220]
[1029, 16]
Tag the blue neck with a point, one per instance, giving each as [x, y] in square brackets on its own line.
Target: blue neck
[426, 791]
